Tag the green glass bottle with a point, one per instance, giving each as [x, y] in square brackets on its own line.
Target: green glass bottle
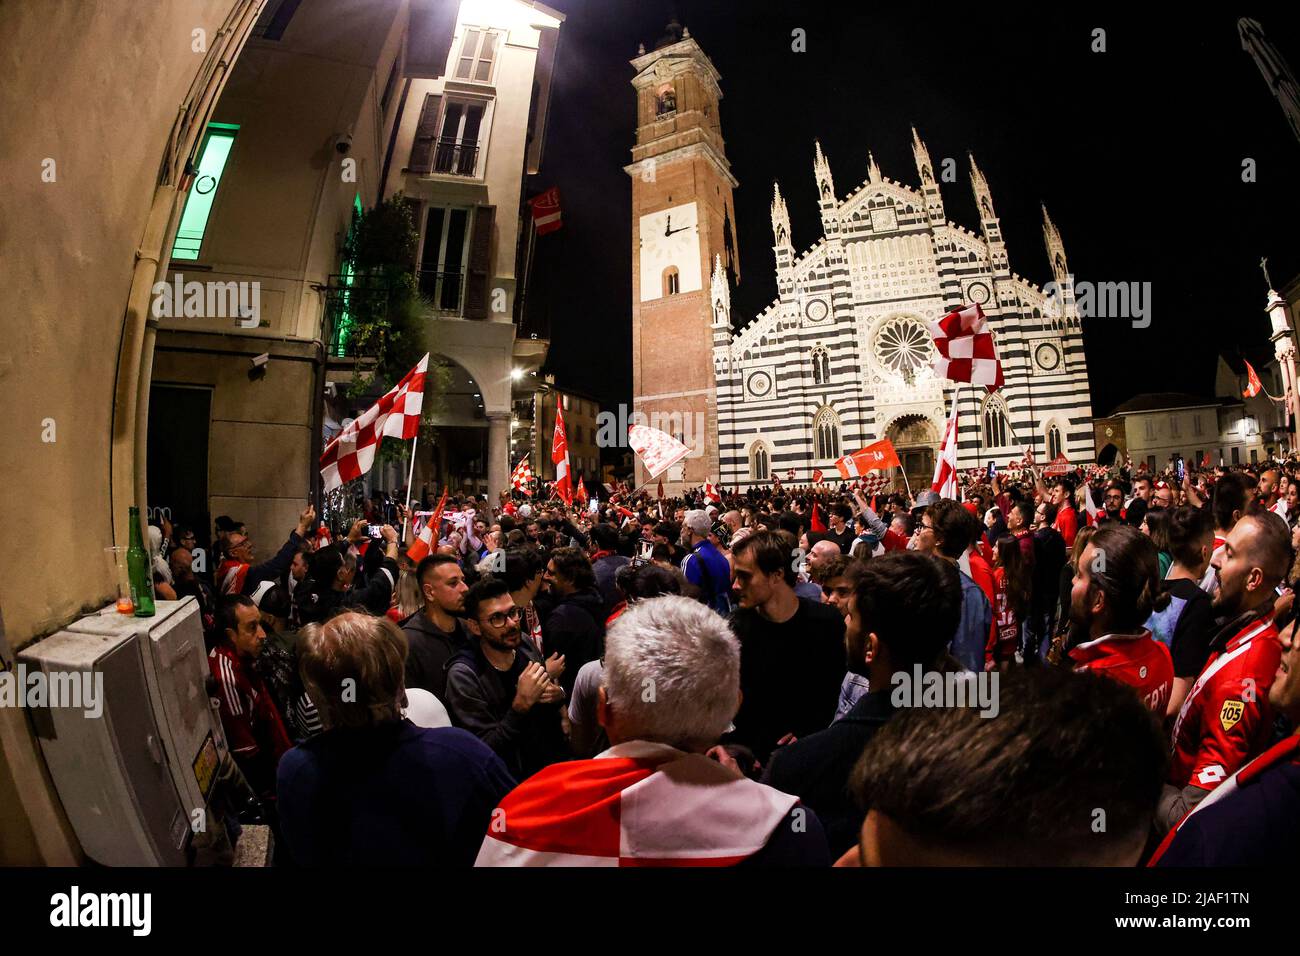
[140, 570]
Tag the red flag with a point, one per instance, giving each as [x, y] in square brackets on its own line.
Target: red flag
[945, 471]
[546, 211]
[580, 496]
[428, 537]
[817, 476]
[878, 455]
[1254, 385]
[560, 458]
[1058, 466]
[661, 489]
[711, 492]
[395, 415]
[817, 523]
[965, 347]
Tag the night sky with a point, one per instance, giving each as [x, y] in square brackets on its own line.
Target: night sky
[1137, 153]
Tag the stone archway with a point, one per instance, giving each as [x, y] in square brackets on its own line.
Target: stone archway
[916, 439]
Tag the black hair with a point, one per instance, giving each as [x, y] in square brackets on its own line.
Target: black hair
[605, 537]
[522, 565]
[228, 613]
[1229, 497]
[773, 551]
[574, 566]
[1187, 528]
[1127, 570]
[486, 588]
[912, 603]
[945, 776]
[952, 525]
[429, 562]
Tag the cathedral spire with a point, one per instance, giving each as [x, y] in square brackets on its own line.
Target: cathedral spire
[826, 193]
[979, 185]
[873, 169]
[780, 216]
[922, 156]
[1061, 305]
[720, 293]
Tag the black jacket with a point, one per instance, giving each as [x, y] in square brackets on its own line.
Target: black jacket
[320, 605]
[479, 699]
[430, 651]
[575, 628]
[817, 768]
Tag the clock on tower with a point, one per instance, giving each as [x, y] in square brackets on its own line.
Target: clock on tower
[681, 218]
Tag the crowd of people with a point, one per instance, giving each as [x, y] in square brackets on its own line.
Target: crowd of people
[715, 681]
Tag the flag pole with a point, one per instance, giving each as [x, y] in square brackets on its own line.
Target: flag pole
[410, 475]
[906, 484]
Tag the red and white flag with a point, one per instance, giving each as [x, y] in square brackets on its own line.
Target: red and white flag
[637, 804]
[560, 458]
[711, 492]
[580, 495]
[546, 211]
[396, 415]
[875, 456]
[945, 471]
[965, 347]
[1058, 466]
[817, 476]
[657, 450]
[522, 476]
[1253, 385]
[427, 539]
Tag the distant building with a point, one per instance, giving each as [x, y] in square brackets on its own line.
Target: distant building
[581, 430]
[1154, 427]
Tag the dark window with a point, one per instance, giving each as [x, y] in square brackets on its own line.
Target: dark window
[275, 17]
[442, 264]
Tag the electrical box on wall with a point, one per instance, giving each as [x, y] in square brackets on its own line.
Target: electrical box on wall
[136, 775]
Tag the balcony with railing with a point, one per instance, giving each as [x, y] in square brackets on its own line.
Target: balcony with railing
[443, 291]
[445, 156]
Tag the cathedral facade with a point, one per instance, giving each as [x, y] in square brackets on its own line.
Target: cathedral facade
[842, 357]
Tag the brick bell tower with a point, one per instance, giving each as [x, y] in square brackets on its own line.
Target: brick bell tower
[682, 217]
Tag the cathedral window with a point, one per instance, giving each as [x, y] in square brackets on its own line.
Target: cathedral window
[904, 347]
[995, 423]
[1053, 441]
[826, 433]
[672, 281]
[821, 367]
[758, 463]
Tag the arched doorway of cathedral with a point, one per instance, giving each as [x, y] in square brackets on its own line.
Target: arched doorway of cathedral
[916, 440]
[1107, 455]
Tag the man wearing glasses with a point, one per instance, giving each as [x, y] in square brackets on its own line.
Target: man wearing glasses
[499, 689]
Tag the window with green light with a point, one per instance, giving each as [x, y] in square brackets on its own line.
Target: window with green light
[344, 327]
[218, 141]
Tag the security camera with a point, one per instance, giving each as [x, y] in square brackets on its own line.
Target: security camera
[259, 361]
[343, 143]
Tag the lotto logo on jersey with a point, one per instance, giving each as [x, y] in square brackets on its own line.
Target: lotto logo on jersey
[1211, 774]
[1231, 713]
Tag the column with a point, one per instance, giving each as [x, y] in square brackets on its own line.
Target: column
[1285, 350]
[498, 454]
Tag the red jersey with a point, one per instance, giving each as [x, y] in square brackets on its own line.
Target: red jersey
[1138, 660]
[982, 574]
[1006, 625]
[254, 730]
[1067, 522]
[1226, 719]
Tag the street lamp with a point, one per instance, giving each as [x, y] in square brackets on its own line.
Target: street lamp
[516, 374]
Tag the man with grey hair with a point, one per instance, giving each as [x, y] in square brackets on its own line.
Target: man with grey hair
[705, 566]
[655, 798]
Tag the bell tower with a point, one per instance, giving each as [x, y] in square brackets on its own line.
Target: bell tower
[682, 222]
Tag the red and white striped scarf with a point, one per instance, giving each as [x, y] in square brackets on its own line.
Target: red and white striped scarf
[636, 804]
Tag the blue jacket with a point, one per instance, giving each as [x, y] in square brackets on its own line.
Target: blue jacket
[392, 795]
[708, 570]
[973, 629]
